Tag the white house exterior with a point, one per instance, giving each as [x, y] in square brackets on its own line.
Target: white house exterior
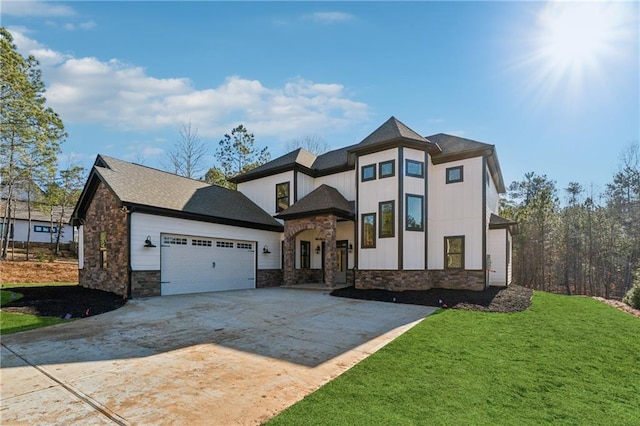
[43, 231]
[396, 211]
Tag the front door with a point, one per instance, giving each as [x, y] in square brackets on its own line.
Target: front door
[342, 261]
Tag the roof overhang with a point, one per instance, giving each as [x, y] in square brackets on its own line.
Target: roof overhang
[313, 213]
[430, 147]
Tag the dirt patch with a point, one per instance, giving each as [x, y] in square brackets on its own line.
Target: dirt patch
[511, 299]
[39, 272]
[63, 301]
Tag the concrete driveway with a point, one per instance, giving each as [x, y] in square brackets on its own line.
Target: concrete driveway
[237, 357]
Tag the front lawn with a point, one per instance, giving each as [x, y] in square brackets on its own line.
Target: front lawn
[11, 322]
[566, 360]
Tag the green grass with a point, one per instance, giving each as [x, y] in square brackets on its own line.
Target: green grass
[17, 285]
[11, 322]
[566, 360]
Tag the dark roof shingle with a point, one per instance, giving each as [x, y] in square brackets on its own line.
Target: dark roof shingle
[323, 199]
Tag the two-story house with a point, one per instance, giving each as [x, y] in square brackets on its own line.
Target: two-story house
[396, 211]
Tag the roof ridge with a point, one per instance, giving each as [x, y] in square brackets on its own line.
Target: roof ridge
[153, 169]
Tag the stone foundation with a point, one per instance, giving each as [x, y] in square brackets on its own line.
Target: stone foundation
[419, 280]
[145, 284]
[269, 278]
[307, 276]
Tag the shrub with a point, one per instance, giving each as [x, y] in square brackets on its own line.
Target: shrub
[632, 298]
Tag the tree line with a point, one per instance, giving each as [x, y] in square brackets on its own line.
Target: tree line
[30, 138]
[578, 240]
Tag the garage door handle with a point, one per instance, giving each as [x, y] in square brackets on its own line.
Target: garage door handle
[214, 264]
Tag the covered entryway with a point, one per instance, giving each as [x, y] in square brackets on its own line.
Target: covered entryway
[200, 264]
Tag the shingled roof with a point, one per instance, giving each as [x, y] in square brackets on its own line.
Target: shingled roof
[324, 199]
[499, 222]
[150, 190]
[394, 131]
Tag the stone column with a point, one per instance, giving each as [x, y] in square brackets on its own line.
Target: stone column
[329, 224]
[289, 254]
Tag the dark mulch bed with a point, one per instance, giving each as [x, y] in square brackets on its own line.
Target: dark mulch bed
[61, 301]
[511, 299]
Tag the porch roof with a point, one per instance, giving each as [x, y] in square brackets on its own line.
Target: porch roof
[324, 199]
[499, 222]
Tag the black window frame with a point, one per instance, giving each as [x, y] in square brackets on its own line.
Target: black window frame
[393, 169]
[372, 167]
[461, 254]
[362, 233]
[305, 254]
[408, 227]
[416, 175]
[381, 233]
[279, 198]
[450, 169]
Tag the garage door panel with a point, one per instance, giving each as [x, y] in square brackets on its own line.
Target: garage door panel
[199, 264]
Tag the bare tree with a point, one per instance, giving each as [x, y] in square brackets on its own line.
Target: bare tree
[187, 156]
[312, 143]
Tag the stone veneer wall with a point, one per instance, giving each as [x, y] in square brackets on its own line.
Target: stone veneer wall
[104, 215]
[308, 276]
[269, 278]
[419, 280]
[145, 283]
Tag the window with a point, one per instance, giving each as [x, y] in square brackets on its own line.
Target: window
[244, 246]
[415, 212]
[387, 219]
[369, 230]
[368, 172]
[201, 243]
[9, 234]
[282, 196]
[47, 229]
[224, 244]
[175, 241]
[387, 169]
[103, 250]
[305, 254]
[454, 252]
[415, 168]
[454, 174]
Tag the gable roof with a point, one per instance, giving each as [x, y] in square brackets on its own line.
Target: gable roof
[499, 222]
[20, 211]
[455, 148]
[390, 133]
[145, 189]
[324, 199]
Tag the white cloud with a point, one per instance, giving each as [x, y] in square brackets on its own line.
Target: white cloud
[69, 26]
[330, 17]
[36, 9]
[119, 95]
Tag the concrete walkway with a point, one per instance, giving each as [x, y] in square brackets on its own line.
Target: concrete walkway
[215, 358]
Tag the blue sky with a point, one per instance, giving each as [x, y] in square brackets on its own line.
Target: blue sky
[555, 86]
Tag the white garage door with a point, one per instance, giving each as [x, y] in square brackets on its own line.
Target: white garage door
[199, 264]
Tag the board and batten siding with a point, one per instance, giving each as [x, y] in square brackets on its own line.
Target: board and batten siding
[21, 232]
[263, 191]
[305, 186]
[413, 241]
[456, 209]
[344, 182]
[385, 254]
[148, 259]
[496, 248]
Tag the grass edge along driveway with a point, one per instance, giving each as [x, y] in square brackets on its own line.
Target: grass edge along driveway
[11, 322]
[566, 360]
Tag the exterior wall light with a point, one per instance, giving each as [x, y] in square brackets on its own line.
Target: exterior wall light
[318, 249]
[350, 248]
[265, 249]
[148, 243]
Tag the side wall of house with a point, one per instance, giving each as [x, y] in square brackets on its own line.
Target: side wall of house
[21, 229]
[263, 191]
[105, 264]
[344, 182]
[496, 248]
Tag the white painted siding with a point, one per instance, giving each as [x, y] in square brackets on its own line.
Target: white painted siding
[456, 209]
[263, 191]
[143, 225]
[305, 186]
[496, 248]
[493, 198]
[385, 254]
[21, 228]
[510, 259]
[81, 247]
[344, 182]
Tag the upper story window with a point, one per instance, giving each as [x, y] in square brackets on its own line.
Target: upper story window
[387, 169]
[47, 229]
[454, 174]
[415, 213]
[454, 252]
[368, 172]
[282, 196]
[415, 168]
[387, 219]
[369, 230]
